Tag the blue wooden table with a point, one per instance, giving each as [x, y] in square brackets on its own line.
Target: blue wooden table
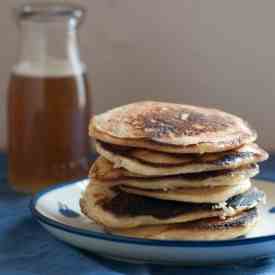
[26, 248]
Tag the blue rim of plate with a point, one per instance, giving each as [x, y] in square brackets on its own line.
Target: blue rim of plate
[128, 240]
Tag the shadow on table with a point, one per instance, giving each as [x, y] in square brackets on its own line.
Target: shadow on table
[248, 267]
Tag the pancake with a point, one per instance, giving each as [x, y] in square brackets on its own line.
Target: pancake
[202, 230]
[204, 179]
[114, 208]
[196, 195]
[103, 170]
[171, 127]
[112, 177]
[244, 155]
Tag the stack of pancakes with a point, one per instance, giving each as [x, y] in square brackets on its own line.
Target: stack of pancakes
[171, 171]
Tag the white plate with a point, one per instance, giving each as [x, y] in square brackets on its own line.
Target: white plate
[57, 209]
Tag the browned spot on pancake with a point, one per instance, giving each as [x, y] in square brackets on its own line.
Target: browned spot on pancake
[98, 196]
[123, 150]
[131, 205]
[124, 204]
[163, 122]
[242, 219]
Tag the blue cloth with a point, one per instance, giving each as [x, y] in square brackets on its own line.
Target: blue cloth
[27, 249]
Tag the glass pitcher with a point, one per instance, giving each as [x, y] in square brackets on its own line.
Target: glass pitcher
[48, 99]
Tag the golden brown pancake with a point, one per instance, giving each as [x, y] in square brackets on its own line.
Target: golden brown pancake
[244, 155]
[206, 229]
[194, 180]
[114, 208]
[170, 127]
[207, 194]
[103, 170]
[245, 152]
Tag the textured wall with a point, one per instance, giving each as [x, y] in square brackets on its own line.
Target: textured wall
[217, 52]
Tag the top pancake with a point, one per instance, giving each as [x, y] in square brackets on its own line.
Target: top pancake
[172, 128]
